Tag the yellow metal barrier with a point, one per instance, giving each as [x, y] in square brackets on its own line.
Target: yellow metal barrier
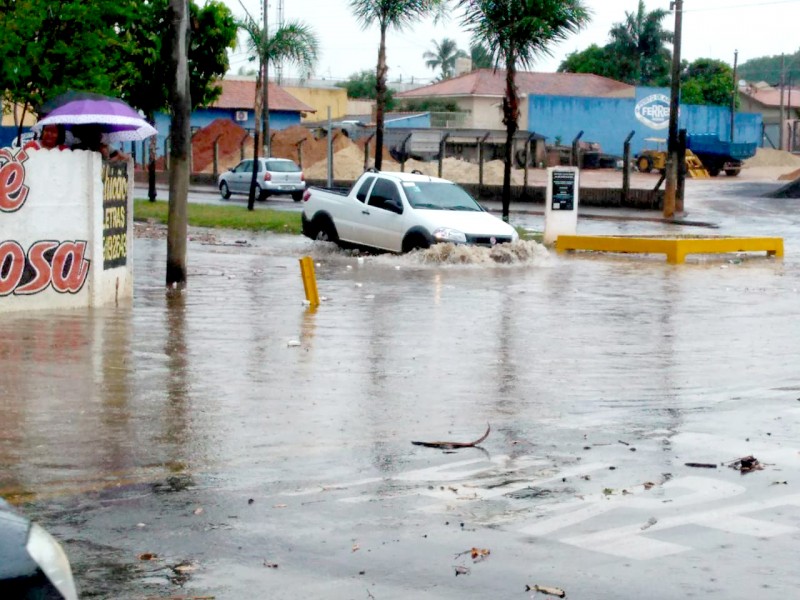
[676, 248]
[309, 280]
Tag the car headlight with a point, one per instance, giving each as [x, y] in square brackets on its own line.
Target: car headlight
[48, 554]
[445, 234]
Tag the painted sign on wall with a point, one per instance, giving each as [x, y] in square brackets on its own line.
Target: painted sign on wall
[653, 111]
[60, 213]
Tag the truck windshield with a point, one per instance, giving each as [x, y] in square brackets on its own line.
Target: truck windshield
[438, 195]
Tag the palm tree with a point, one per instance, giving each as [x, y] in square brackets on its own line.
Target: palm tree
[396, 14]
[444, 57]
[481, 57]
[639, 42]
[293, 42]
[517, 31]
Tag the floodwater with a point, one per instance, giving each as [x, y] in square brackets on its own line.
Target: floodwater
[231, 442]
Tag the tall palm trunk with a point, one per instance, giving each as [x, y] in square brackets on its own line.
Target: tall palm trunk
[511, 120]
[380, 103]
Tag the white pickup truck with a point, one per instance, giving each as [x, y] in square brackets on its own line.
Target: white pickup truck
[400, 212]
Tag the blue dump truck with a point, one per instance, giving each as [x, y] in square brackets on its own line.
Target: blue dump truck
[718, 155]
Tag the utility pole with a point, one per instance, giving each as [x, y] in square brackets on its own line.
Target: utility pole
[674, 104]
[734, 92]
[265, 86]
[783, 107]
[180, 138]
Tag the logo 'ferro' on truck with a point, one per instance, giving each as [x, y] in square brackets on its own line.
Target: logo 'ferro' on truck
[653, 111]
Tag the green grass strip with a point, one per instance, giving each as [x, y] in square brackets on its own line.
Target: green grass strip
[222, 217]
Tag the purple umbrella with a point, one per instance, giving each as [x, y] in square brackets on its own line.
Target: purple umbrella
[116, 119]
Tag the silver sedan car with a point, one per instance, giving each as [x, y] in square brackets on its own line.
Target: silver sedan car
[274, 176]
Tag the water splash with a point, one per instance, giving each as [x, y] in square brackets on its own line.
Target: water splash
[519, 252]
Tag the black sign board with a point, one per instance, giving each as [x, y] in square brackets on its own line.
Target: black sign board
[115, 214]
[563, 190]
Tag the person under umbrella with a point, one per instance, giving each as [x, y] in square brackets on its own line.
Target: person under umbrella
[91, 138]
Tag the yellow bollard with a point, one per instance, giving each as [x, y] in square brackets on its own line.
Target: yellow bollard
[309, 280]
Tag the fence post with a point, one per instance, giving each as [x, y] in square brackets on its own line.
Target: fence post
[626, 168]
[574, 160]
[442, 146]
[300, 152]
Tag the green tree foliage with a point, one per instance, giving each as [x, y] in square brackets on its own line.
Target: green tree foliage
[388, 14]
[596, 60]
[639, 43]
[768, 68]
[364, 85]
[481, 57]
[115, 47]
[518, 31]
[637, 53]
[443, 57]
[707, 81]
[431, 105]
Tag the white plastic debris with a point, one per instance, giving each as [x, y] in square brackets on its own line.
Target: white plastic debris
[293, 343]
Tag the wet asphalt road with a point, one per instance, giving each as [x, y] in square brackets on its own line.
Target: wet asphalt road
[259, 449]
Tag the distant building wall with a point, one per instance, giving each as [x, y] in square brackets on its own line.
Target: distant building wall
[608, 121]
[320, 99]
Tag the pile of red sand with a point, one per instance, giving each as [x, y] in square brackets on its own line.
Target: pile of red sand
[286, 143]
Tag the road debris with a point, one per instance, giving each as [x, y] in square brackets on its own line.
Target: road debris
[270, 565]
[461, 570]
[451, 445]
[148, 556]
[701, 465]
[746, 464]
[551, 591]
[650, 522]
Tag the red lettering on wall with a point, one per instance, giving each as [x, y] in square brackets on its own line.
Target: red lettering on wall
[70, 268]
[40, 267]
[66, 270]
[12, 264]
[13, 191]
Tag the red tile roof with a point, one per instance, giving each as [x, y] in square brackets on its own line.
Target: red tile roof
[487, 82]
[240, 93]
[772, 97]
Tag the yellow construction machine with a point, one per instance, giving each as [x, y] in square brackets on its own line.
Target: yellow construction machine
[654, 158]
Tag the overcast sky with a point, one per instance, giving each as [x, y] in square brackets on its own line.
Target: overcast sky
[711, 29]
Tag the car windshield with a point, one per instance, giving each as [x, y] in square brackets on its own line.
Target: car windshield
[282, 166]
[439, 195]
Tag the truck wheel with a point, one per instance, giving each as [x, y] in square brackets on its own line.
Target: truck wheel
[732, 172]
[224, 191]
[713, 171]
[644, 164]
[326, 231]
[415, 241]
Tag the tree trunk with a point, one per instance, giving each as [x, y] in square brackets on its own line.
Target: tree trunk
[380, 95]
[510, 120]
[180, 141]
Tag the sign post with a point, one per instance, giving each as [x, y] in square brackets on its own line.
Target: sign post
[561, 204]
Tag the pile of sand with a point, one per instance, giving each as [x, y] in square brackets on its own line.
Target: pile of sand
[767, 157]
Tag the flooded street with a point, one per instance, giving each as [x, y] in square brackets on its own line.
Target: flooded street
[229, 442]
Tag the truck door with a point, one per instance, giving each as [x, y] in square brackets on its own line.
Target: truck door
[384, 221]
[353, 212]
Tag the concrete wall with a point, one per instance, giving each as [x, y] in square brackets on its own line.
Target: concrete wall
[66, 230]
[608, 121]
[320, 99]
